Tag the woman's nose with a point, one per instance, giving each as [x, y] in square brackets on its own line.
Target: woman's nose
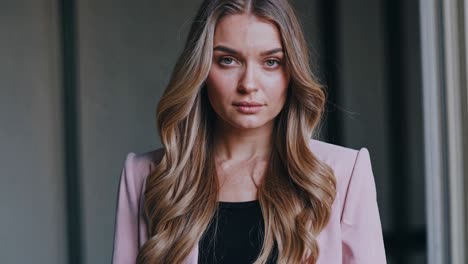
[248, 82]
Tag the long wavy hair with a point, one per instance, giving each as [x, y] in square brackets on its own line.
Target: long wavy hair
[181, 192]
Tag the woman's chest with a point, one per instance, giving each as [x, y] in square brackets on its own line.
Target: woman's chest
[239, 181]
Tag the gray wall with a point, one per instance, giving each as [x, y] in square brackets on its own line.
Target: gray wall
[32, 221]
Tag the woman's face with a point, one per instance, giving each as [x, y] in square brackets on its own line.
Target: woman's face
[248, 80]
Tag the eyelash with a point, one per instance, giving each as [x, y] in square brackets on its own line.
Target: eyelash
[222, 60]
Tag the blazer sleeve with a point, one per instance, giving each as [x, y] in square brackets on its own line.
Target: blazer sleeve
[126, 230]
[362, 238]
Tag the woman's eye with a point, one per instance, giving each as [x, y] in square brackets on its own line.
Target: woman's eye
[272, 63]
[226, 60]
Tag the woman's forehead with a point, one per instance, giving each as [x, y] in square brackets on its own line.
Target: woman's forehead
[247, 32]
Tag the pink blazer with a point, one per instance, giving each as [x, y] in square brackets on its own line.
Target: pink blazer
[352, 236]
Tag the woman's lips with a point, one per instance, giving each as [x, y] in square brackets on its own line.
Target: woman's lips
[248, 107]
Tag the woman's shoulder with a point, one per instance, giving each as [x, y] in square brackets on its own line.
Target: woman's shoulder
[138, 166]
[145, 159]
[343, 161]
[328, 152]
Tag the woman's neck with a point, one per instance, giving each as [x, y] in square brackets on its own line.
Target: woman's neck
[242, 144]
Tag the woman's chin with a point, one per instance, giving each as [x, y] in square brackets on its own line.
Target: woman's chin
[251, 125]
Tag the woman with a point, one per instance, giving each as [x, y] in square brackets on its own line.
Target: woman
[239, 179]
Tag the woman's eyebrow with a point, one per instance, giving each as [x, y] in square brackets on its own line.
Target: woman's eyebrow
[272, 51]
[235, 52]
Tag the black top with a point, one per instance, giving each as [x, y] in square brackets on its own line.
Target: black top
[235, 235]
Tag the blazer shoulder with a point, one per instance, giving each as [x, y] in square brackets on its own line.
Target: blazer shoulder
[333, 154]
[139, 165]
[150, 158]
[342, 160]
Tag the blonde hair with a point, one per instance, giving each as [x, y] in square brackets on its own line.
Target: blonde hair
[181, 193]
